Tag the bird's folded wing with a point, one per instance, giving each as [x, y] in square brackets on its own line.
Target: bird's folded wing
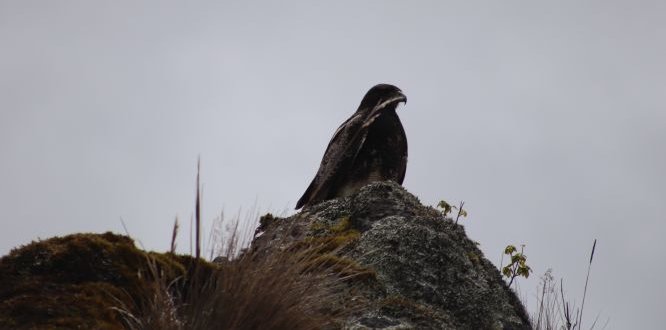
[338, 158]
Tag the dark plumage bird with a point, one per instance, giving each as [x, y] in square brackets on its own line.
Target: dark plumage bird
[369, 146]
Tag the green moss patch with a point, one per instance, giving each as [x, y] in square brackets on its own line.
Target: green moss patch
[326, 247]
[76, 281]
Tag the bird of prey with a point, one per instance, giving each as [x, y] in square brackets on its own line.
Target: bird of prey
[369, 146]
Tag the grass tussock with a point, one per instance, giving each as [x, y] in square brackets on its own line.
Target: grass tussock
[295, 287]
[283, 291]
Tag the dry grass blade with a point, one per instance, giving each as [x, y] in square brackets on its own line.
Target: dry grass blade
[460, 210]
[589, 266]
[174, 235]
[565, 307]
[198, 212]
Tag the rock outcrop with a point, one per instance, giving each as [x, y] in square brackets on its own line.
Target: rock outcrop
[416, 269]
[375, 260]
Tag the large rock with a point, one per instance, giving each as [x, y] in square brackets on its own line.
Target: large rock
[413, 267]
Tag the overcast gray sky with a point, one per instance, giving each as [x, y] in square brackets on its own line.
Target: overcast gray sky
[549, 120]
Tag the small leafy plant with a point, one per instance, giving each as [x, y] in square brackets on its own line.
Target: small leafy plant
[447, 208]
[517, 265]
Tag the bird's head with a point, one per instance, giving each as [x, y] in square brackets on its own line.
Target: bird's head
[383, 96]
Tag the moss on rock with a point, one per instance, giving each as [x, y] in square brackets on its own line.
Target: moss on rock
[77, 281]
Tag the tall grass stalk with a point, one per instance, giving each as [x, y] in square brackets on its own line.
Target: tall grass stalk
[564, 314]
